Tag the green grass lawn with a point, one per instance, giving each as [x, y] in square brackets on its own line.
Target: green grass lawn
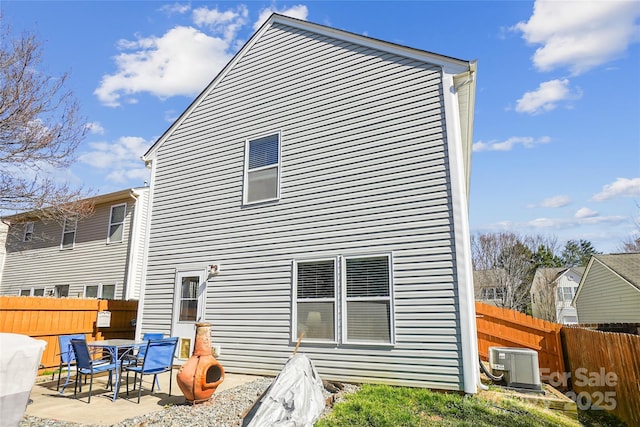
[386, 406]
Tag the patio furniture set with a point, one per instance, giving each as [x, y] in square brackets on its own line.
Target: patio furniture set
[152, 355]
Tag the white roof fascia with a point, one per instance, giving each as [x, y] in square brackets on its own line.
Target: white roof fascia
[449, 65]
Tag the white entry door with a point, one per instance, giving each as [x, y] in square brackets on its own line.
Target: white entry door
[188, 308]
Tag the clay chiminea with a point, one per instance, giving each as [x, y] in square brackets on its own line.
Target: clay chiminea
[199, 377]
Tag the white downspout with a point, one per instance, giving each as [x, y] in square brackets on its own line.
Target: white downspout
[145, 251]
[133, 244]
[462, 236]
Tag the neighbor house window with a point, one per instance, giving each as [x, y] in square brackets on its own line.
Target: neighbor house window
[262, 169]
[367, 303]
[354, 307]
[488, 293]
[28, 232]
[32, 292]
[69, 233]
[100, 291]
[565, 293]
[116, 223]
[61, 291]
[315, 296]
[91, 291]
[491, 294]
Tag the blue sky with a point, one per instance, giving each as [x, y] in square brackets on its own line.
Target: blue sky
[557, 125]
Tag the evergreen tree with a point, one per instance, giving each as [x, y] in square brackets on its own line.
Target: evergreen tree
[577, 253]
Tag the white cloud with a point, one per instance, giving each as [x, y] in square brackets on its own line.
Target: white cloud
[180, 62]
[119, 159]
[298, 11]
[546, 97]
[509, 144]
[585, 213]
[622, 187]
[227, 22]
[580, 35]
[556, 201]
[170, 9]
[95, 128]
[122, 176]
[566, 223]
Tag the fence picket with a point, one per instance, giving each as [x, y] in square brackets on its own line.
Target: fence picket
[47, 318]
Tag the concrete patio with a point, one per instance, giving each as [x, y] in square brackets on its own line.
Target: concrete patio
[47, 402]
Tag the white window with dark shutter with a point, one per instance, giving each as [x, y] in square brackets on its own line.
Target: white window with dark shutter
[315, 308]
[367, 300]
[69, 233]
[262, 169]
[28, 232]
[116, 223]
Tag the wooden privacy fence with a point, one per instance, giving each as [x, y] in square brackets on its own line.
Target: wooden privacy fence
[47, 318]
[604, 370]
[501, 327]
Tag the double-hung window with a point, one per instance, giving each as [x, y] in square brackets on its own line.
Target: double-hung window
[353, 307]
[69, 233]
[262, 169]
[116, 223]
[367, 303]
[28, 232]
[315, 295]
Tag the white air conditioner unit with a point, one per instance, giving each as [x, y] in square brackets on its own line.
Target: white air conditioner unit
[519, 367]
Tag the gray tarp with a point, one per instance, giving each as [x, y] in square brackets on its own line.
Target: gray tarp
[294, 398]
[20, 357]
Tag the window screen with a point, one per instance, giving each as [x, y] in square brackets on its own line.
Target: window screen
[368, 302]
[263, 160]
[316, 300]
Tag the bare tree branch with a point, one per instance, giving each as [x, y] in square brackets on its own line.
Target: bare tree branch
[40, 129]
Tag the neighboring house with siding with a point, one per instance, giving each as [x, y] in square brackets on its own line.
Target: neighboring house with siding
[552, 291]
[99, 256]
[609, 291]
[319, 185]
[489, 287]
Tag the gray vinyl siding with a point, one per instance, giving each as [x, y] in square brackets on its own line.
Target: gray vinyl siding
[41, 262]
[607, 298]
[363, 171]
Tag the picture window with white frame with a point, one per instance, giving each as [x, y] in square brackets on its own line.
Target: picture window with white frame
[262, 169]
[359, 305]
[116, 223]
